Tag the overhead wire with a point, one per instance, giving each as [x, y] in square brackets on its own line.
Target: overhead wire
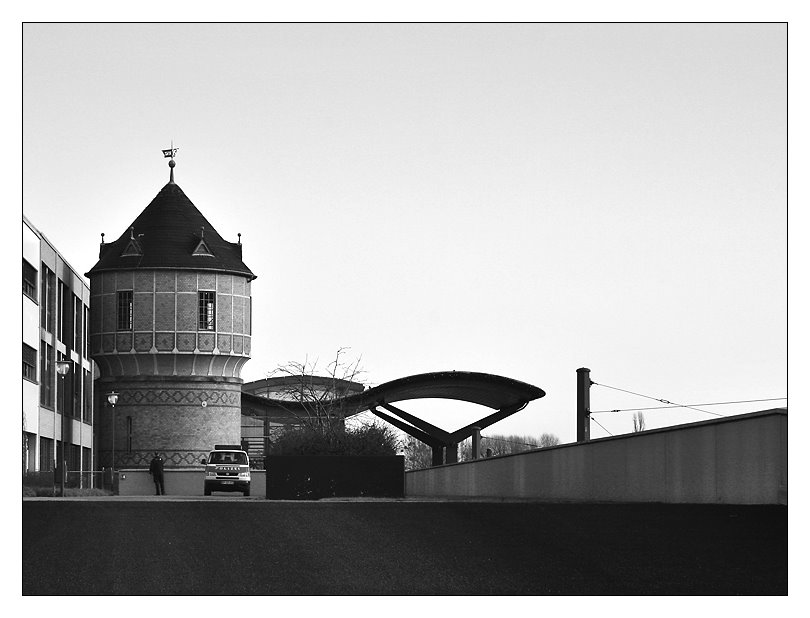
[670, 407]
[602, 426]
[655, 399]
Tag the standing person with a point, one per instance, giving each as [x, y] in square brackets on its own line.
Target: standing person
[156, 470]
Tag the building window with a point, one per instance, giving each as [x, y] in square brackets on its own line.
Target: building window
[76, 374]
[207, 306]
[61, 387]
[77, 324]
[125, 310]
[60, 319]
[46, 458]
[29, 281]
[46, 298]
[86, 328]
[87, 462]
[46, 375]
[88, 397]
[29, 363]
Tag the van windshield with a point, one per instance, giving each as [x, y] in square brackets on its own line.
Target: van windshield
[228, 457]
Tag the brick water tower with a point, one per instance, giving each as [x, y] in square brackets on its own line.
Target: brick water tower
[170, 329]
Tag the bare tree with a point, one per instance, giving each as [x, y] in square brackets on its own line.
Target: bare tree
[549, 439]
[418, 455]
[316, 398]
[638, 421]
[506, 445]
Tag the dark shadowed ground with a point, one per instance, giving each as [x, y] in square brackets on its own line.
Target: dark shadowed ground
[255, 547]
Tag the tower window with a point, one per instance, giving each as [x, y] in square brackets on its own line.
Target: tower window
[207, 306]
[125, 310]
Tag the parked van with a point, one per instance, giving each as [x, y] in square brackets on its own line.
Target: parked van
[227, 468]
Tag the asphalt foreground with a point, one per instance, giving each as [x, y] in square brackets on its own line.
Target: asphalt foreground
[234, 546]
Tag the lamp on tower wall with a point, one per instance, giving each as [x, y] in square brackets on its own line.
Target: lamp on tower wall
[112, 399]
[63, 367]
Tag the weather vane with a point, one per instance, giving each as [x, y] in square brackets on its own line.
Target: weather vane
[169, 153]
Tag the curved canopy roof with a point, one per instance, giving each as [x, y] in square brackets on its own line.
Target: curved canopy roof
[492, 391]
[172, 233]
[486, 389]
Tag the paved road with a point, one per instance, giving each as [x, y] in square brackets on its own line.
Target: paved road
[230, 545]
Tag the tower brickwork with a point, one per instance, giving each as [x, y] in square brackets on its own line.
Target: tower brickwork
[170, 326]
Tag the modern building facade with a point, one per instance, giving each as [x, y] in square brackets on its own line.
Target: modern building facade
[57, 409]
[170, 331]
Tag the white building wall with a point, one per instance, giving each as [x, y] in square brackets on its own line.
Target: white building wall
[44, 422]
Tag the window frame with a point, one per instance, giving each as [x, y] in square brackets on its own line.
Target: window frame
[30, 290]
[30, 363]
[46, 394]
[124, 311]
[206, 310]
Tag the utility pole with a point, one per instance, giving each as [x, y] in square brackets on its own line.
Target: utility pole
[583, 404]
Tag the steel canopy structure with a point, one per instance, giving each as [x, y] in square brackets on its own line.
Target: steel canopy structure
[504, 395]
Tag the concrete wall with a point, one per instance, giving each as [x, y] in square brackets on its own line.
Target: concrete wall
[735, 460]
[180, 482]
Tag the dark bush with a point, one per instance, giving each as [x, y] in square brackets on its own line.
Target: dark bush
[371, 439]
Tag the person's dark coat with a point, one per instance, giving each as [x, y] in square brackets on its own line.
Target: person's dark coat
[156, 467]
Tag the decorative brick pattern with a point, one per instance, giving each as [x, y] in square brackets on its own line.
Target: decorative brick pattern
[246, 345]
[142, 459]
[179, 396]
[186, 281]
[239, 285]
[144, 281]
[124, 280]
[206, 281]
[164, 311]
[142, 310]
[187, 311]
[205, 342]
[108, 282]
[224, 313]
[95, 344]
[186, 341]
[238, 314]
[164, 281]
[108, 312]
[123, 342]
[97, 303]
[237, 344]
[224, 343]
[108, 343]
[224, 284]
[164, 342]
[172, 421]
[143, 342]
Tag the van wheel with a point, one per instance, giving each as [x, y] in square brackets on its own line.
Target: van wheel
[207, 491]
[246, 492]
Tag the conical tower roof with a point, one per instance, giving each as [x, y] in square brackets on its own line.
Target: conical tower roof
[171, 233]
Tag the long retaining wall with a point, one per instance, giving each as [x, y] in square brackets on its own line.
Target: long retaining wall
[734, 460]
[180, 482]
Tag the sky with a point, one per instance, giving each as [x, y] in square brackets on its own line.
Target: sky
[516, 199]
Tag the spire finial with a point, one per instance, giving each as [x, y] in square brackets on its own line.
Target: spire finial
[169, 153]
[239, 235]
[132, 232]
[102, 238]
